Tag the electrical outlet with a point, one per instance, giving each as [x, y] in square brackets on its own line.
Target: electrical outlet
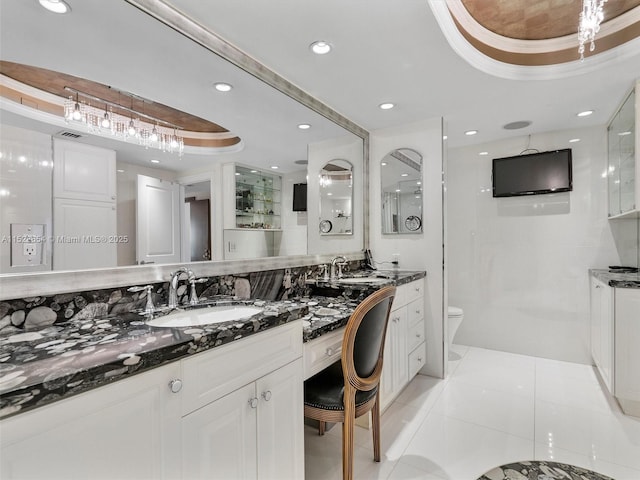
[29, 249]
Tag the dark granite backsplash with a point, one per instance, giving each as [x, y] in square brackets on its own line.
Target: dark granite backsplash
[31, 313]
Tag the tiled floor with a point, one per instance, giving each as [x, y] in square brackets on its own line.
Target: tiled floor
[493, 408]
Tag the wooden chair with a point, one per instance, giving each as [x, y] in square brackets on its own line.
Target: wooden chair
[350, 388]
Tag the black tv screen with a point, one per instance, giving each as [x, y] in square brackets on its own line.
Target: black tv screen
[299, 197]
[532, 174]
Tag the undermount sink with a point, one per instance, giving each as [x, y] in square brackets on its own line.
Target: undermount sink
[368, 280]
[204, 316]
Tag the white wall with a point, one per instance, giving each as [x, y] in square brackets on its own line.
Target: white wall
[25, 191]
[320, 153]
[422, 251]
[518, 266]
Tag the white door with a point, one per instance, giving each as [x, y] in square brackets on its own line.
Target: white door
[219, 439]
[157, 221]
[281, 424]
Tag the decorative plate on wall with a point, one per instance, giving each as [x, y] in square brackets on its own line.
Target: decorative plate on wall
[413, 223]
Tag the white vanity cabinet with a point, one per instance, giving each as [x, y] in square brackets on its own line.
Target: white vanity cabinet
[404, 353]
[235, 411]
[127, 430]
[615, 336]
[602, 316]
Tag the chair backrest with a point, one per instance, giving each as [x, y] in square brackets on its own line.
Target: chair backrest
[363, 343]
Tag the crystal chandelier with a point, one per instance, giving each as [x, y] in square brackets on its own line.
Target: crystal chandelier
[147, 131]
[590, 19]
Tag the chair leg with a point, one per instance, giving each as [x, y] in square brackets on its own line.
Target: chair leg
[348, 426]
[321, 427]
[375, 427]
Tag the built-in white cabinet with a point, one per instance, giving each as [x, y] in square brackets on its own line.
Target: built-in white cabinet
[235, 411]
[405, 351]
[615, 336]
[602, 329]
[84, 206]
[127, 430]
[623, 173]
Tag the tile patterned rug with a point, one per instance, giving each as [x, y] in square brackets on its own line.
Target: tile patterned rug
[541, 470]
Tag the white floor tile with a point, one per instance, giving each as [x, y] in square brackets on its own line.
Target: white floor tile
[451, 448]
[422, 392]
[506, 412]
[619, 472]
[612, 437]
[505, 372]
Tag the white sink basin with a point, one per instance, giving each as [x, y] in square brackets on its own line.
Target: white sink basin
[204, 316]
[368, 280]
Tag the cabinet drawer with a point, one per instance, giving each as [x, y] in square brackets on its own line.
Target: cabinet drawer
[415, 311]
[415, 335]
[400, 299]
[318, 354]
[414, 290]
[417, 359]
[212, 374]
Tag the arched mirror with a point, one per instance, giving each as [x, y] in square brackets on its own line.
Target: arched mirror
[336, 198]
[401, 176]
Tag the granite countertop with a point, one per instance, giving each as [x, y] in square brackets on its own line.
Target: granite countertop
[39, 367]
[617, 280]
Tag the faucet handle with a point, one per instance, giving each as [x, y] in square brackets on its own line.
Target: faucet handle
[193, 296]
[149, 307]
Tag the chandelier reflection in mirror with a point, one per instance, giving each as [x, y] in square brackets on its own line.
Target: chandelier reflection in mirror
[135, 126]
[590, 18]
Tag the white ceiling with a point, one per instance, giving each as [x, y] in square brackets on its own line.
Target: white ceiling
[384, 51]
[395, 51]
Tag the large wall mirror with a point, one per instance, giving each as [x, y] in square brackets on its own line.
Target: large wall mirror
[401, 176]
[336, 198]
[255, 125]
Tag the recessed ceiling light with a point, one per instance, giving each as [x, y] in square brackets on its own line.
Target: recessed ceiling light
[404, 175]
[470, 132]
[274, 167]
[586, 113]
[155, 161]
[384, 164]
[574, 140]
[120, 170]
[55, 6]
[386, 106]
[304, 126]
[483, 153]
[222, 87]
[320, 47]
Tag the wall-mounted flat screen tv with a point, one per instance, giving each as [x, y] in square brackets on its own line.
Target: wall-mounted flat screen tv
[299, 197]
[532, 174]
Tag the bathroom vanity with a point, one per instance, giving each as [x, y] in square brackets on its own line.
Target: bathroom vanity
[110, 396]
[615, 334]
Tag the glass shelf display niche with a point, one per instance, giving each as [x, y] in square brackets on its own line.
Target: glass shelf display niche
[258, 200]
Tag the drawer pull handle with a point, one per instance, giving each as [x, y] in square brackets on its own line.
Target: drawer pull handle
[419, 359]
[329, 352]
[418, 335]
[417, 289]
[418, 311]
[266, 395]
[253, 402]
[175, 385]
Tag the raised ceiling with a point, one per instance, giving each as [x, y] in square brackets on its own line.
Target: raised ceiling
[541, 32]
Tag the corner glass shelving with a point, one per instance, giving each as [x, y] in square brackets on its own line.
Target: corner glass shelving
[258, 199]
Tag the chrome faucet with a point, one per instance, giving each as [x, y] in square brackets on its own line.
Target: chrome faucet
[339, 261]
[173, 284]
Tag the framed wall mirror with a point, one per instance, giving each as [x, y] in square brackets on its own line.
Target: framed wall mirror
[255, 125]
[401, 176]
[336, 198]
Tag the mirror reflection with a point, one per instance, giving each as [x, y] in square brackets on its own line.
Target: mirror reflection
[258, 130]
[336, 198]
[401, 174]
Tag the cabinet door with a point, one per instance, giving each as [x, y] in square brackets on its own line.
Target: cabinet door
[85, 234]
[281, 424]
[395, 367]
[127, 430]
[219, 440]
[606, 336]
[83, 172]
[596, 288]
[627, 339]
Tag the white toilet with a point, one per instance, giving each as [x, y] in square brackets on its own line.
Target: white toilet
[455, 316]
